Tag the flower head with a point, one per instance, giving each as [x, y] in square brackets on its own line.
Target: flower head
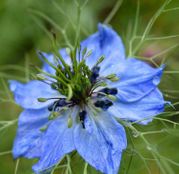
[75, 103]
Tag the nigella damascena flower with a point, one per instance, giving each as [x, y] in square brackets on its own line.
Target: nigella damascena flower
[75, 104]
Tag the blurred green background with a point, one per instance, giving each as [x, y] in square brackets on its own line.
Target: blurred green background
[28, 25]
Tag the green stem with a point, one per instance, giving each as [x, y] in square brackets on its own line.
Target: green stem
[113, 11]
[153, 151]
[68, 164]
[85, 168]
[17, 165]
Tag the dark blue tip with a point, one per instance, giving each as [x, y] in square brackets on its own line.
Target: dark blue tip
[60, 103]
[111, 91]
[95, 74]
[103, 104]
[82, 115]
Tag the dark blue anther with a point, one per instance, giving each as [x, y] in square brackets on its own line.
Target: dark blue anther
[103, 104]
[82, 115]
[111, 91]
[95, 74]
[60, 103]
[50, 108]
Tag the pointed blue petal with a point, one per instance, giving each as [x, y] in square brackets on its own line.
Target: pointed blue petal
[142, 110]
[136, 80]
[105, 42]
[58, 141]
[101, 142]
[29, 137]
[26, 95]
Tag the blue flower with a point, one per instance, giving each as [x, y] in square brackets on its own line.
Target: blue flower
[76, 103]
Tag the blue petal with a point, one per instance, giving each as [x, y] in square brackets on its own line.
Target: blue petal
[26, 95]
[29, 137]
[101, 142]
[105, 42]
[136, 80]
[58, 141]
[142, 110]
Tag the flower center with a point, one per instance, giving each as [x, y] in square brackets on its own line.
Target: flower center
[79, 84]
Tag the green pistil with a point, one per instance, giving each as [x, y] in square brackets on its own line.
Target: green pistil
[77, 86]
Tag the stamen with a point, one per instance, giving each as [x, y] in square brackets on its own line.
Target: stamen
[70, 122]
[50, 108]
[104, 104]
[111, 97]
[88, 54]
[95, 74]
[46, 99]
[54, 86]
[41, 77]
[53, 115]
[100, 60]
[112, 77]
[84, 52]
[82, 115]
[60, 103]
[111, 91]
[44, 128]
